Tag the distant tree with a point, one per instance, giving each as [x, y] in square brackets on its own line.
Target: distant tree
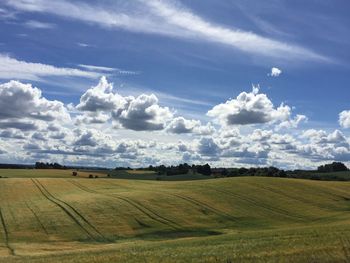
[224, 172]
[204, 169]
[332, 167]
[282, 173]
[242, 171]
[234, 172]
[40, 165]
[161, 169]
[272, 171]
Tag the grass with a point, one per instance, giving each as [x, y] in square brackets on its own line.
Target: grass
[244, 219]
[46, 173]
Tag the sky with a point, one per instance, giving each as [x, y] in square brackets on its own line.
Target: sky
[146, 82]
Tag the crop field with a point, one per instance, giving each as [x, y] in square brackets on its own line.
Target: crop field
[243, 219]
[46, 173]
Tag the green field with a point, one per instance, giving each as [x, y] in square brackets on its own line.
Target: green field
[243, 219]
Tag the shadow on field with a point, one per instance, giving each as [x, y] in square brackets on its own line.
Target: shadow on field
[166, 234]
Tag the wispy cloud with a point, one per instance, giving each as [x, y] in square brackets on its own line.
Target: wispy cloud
[170, 99]
[84, 44]
[242, 40]
[6, 14]
[171, 19]
[39, 25]
[11, 68]
[128, 16]
[176, 100]
[109, 70]
[97, 68]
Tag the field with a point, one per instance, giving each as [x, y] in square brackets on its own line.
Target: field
[49, 173]
[243, 219]
[151, 175]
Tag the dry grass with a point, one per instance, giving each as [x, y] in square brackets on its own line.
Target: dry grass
[223, 220]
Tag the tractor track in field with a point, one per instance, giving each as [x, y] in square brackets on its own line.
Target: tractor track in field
[71, 212]
[279, 192]
[37, 218]
[148, 212]
[205, 206]
[278, 211]
[201, 205]
[6, 234]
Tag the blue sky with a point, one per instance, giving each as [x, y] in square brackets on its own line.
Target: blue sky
[193, 56]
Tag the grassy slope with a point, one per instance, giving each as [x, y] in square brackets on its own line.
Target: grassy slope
[105, 220]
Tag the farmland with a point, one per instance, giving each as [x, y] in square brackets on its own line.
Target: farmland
[46, 173]
[53, 217]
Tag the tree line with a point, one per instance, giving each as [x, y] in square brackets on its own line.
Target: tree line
[181, 169]
[40, 165]
[332, 167]
[322, 172]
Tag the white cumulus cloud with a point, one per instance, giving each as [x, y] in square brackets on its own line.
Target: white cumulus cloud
[344, 119]
[275, 72]
[249, 108]
[19, 101]
[135, 113]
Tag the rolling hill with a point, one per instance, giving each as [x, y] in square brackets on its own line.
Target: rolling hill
[245, 219]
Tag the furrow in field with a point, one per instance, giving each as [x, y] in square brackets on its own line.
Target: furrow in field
[205, 206]
[148, 212]
[37, 218]
[274, 210]
[78, 214]
[70, 211]
[6, 234]
[155, 213]
[285, 194]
